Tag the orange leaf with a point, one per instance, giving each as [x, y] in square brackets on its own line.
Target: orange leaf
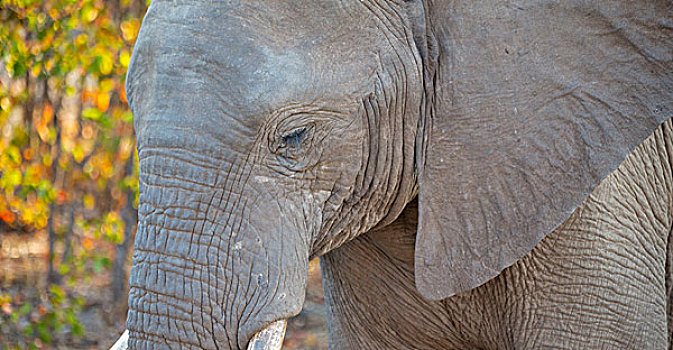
[122, 94]
[87, 243]
[61, 196]
[103, 102]
[88, 95]
[47, 113]
[41, 309]
[6, 308]
[28, 154]
[7, 216]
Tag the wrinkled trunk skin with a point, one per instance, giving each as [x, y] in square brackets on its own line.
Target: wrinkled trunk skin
[214, 262]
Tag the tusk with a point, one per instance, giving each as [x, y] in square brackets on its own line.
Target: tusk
[122, 343]
[269, 338]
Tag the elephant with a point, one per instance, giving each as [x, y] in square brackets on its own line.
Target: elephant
[491, 175]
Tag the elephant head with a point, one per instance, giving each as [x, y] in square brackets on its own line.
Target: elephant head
[270, 132]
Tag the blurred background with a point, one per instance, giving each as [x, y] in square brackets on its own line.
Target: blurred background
[69, 177]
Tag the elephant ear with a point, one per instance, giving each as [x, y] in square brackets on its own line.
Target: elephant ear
[534, 104]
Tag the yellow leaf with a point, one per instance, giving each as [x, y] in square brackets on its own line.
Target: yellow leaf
[130, 29]
[47, 160]
[5, 103]
[81, 40]
[88, 201]
[36, 70]
[125, 58]
[91, 14]
[78, 153]
[49, 64]
[106, 65]
[106, 85]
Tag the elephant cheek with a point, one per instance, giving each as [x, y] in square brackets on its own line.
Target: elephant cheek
[209, 277]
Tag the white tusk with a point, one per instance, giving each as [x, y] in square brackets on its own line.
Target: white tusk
[269, 338]
[122, 343]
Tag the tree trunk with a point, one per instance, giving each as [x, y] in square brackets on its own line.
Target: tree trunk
[130, 217]
[53, 277]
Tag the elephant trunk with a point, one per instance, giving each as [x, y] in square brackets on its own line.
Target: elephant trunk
[269, 338]
[205, 274]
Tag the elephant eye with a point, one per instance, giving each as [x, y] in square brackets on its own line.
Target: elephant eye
[293, 146]
[294, 138]
[296, 142]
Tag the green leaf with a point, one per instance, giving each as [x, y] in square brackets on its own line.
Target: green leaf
[127, 117]
[92, 114]
[25, 309]
[78, 330]
[28, 331]
[99, 263]
[19, 68]
[57, 295]
[43, 332]
[63, 269]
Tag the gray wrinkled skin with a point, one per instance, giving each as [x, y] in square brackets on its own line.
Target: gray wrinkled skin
[602, 280]
[502, 135]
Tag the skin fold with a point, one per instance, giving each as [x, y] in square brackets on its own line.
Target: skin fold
[473, 174]
[600, 280]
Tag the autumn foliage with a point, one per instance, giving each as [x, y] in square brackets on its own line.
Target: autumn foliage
[68, 166]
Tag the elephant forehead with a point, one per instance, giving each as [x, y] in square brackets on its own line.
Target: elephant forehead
[258, 56]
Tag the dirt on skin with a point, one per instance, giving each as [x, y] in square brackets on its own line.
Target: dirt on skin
[23, 271]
